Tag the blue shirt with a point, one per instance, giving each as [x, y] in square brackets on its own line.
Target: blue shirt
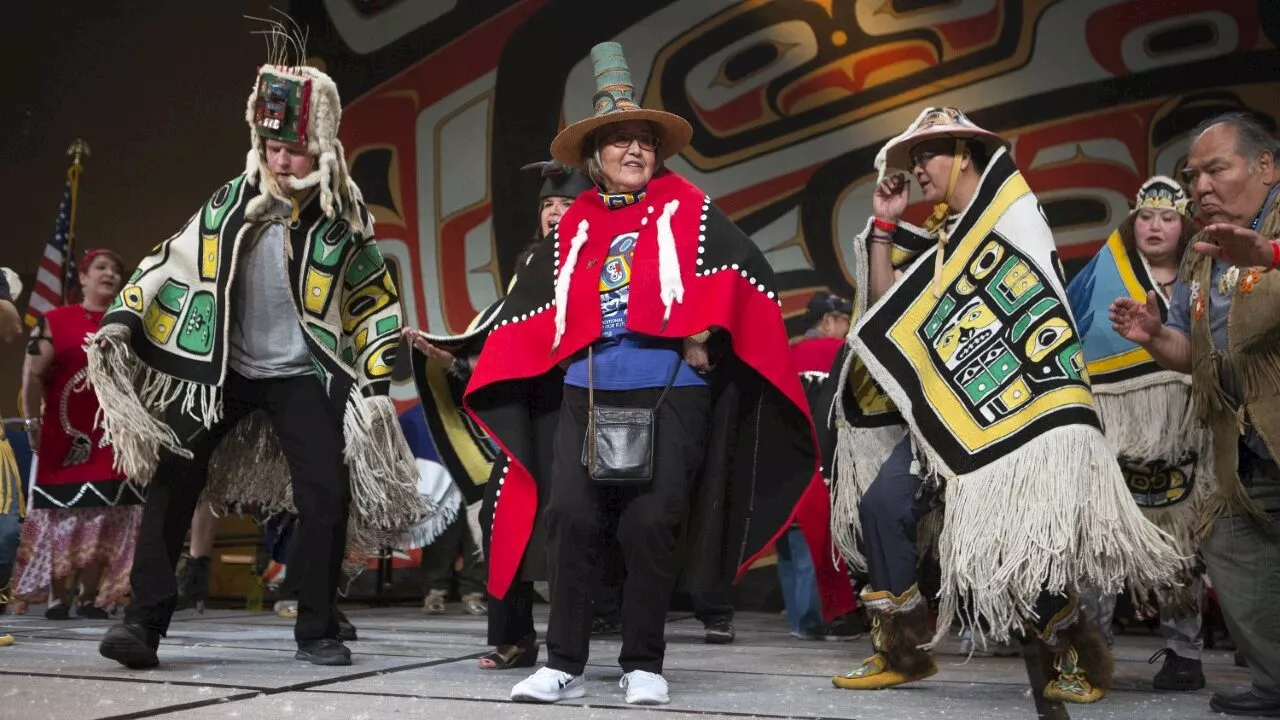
[624, 360]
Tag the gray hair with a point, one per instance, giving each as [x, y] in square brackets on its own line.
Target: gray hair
[1252, 139]
[591, 153]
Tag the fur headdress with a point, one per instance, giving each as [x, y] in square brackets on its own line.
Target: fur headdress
[298, 104]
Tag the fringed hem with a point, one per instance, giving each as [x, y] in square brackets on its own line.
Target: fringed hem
[129, 418]
[1021, 526]
[422, 534]
[249, 469]
[365, 543]
[859, 454]
[384, 476]
[1153, 421]
[1230, 499]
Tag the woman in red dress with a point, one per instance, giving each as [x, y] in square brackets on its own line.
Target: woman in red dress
[84, 514]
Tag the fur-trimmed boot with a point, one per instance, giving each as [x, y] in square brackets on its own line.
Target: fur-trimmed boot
[899, 626]
[1083, 669]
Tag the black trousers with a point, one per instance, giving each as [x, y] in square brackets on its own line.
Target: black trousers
[711, 607]
[890, 509]
[438, 560]
[606, 592]
[648, 520]
[310, 432]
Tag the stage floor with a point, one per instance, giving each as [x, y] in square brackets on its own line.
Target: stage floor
[235, 664]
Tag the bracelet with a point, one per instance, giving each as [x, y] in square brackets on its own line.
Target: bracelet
[884, 224]
[881, 241]
[1275, 255]
[30, 423]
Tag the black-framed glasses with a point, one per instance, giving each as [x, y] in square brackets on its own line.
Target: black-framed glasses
[920, 157]
[623, 139]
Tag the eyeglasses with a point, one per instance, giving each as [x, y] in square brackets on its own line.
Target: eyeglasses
[622, 139]
[923, 156]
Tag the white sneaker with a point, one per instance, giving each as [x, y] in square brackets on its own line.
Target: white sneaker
[548, 686]
[645, 688]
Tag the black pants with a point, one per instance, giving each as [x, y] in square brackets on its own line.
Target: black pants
[890, 511]
[438, 560]
[711, 607]
[310, 432]
[648, 521]
[611, 572]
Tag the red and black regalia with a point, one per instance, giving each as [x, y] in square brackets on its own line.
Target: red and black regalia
[760, 471]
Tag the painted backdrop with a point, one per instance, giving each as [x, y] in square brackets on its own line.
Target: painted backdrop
[789, 100]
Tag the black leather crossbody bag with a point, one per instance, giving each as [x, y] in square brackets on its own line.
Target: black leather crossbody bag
[618, 448]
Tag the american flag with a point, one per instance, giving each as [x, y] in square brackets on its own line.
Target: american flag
[54, 276]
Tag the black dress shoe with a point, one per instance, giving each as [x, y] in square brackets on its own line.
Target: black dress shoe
[1244, 703]
[131, 645]
[346, 631]
[57, 612]
[326, 651]
[1177, 673]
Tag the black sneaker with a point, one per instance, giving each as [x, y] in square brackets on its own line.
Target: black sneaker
[326, 651]
[1178, 673]
[346, 631]
[605, 626]
[131, 645]
[719, 632]
[57, 612]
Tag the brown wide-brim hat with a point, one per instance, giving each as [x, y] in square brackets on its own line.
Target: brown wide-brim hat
[934, 122]
[614, 102]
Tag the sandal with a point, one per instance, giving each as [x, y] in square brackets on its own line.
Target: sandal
[523, 655]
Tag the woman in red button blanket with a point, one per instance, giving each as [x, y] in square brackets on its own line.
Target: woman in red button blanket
[646, 296]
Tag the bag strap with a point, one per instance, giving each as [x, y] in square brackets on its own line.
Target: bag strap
[670, 381]
[590, 439]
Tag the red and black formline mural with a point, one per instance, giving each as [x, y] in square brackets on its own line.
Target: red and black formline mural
[790, 100]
